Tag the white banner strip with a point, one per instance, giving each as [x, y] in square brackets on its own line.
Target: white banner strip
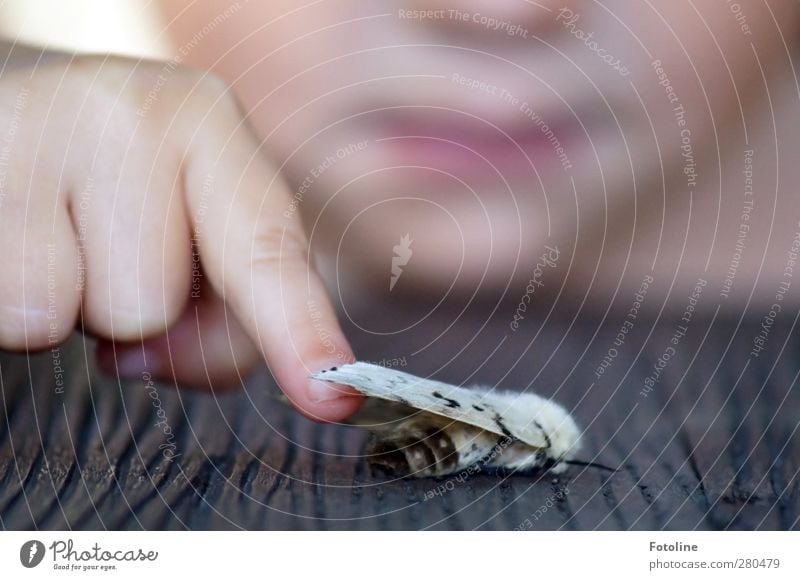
[401, 555]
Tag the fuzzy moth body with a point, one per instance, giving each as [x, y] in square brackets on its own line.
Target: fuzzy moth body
[422, 427]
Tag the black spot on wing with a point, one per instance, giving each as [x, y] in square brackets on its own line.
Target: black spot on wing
[498, 420]
[478, 408]
[544, 434]
[451, 403]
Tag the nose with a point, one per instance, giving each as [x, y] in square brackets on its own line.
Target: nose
[533, 15]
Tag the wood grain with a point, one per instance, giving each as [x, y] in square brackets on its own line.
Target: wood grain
[713, 446]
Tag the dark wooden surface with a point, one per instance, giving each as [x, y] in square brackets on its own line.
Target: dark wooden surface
[715, 445]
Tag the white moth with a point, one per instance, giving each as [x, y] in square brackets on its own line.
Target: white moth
[425, 428]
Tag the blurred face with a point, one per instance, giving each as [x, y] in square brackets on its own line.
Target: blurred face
[488, 130]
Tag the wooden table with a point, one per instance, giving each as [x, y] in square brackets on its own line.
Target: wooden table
[713, 444]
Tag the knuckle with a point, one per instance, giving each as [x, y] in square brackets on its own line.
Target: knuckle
[213, 86]
[211, 91]
[277, 247]
[142, 308]
[152, 89]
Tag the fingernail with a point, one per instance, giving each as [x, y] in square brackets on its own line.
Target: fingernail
[322, 392]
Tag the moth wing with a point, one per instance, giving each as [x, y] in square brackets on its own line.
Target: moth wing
[474, 407]
[378, 414]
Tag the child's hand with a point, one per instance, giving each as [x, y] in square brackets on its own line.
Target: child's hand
[118, 181]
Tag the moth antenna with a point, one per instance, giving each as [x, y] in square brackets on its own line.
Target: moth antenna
[591, 464]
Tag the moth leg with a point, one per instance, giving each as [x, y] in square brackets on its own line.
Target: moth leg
[387, 456]
[404, 454]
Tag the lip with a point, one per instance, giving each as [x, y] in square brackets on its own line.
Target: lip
[474, 147]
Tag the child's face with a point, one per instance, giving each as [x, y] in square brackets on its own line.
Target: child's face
[465, 123]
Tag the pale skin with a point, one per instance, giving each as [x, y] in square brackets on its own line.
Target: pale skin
[85, 242]
[151, 194]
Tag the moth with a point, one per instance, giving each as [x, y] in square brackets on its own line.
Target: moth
[421, 427]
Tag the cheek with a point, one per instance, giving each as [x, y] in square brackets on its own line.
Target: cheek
[713, 43]
[454, 243]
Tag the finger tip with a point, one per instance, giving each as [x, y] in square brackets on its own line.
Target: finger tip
[333, 410]
[327, 402]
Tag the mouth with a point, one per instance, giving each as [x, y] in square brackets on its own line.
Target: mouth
[476, 147]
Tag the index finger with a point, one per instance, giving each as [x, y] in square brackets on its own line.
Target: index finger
[256, 256]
